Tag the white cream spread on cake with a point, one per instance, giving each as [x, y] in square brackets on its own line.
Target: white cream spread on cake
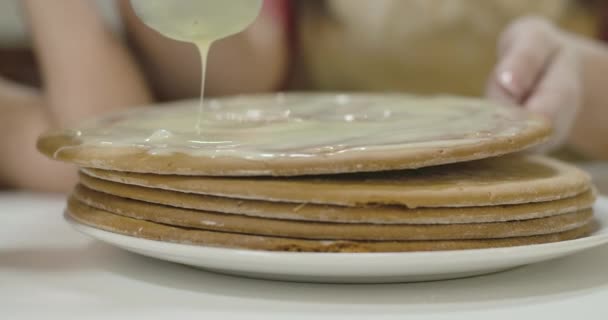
[307, 125]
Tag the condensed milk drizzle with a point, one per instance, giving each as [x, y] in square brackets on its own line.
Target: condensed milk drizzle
[203, 49]
[200, 22]
[305, 126]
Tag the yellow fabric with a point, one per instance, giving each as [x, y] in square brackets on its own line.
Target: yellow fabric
[419, 46]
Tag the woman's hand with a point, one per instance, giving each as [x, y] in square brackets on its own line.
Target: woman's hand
[539, 69]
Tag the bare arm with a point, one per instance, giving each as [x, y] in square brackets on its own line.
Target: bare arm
[86, 71]
[22, 120]
[591, 128]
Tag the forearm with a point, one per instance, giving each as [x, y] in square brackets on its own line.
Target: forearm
[591, 127]
[21, 165]
[86, 69]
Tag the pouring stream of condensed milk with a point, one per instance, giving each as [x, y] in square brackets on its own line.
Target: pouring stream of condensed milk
[200, 22]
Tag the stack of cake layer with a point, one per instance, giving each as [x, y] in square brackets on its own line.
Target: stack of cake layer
[325, 173]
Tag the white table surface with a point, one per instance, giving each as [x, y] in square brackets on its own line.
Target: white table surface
[49, 271]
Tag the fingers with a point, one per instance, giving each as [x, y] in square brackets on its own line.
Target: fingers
[558, 94]
[539, 71]
[525, 50]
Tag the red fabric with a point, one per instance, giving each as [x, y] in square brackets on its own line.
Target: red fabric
[281, 9]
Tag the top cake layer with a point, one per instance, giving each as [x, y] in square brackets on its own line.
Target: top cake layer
[297, 134]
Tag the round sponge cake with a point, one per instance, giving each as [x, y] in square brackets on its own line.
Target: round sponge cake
[298, 134]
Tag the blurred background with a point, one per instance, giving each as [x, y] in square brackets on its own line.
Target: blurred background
[351, 44]
[418, 46]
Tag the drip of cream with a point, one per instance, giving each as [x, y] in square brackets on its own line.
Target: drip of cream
[200, 22]
[203, 49]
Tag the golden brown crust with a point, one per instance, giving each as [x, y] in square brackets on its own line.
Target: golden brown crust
[528, 130]
[327, 231]
[380, 214]
[130, 159]
[153, 231]
[489, 182]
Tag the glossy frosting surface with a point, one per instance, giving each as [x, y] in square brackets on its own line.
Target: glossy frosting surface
[306, 126]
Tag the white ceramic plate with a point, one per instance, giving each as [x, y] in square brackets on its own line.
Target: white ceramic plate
[355, 267]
